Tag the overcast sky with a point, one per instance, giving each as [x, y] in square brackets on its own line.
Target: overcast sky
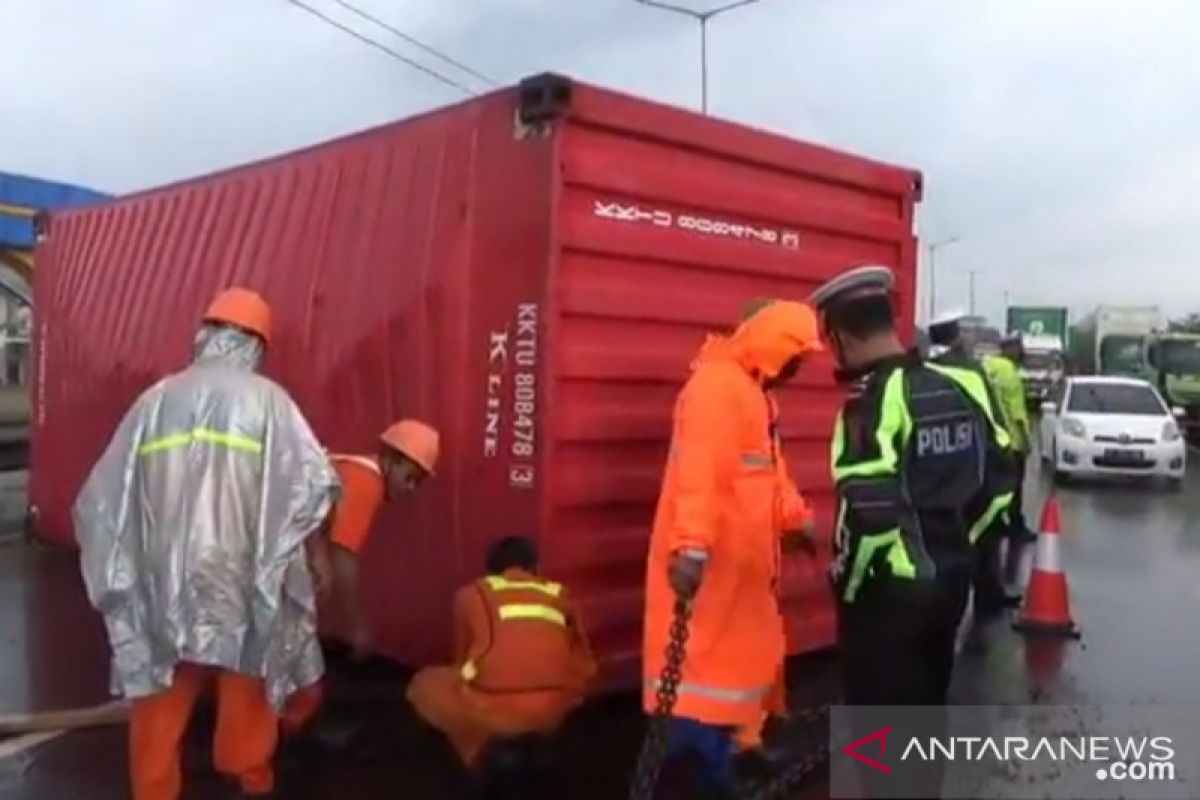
[1060, 139]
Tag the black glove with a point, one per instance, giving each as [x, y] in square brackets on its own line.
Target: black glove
[686, 574]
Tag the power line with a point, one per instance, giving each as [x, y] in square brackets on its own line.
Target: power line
[367, 40]
[433, 51]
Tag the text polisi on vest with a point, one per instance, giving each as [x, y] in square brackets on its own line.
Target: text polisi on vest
[946, 439]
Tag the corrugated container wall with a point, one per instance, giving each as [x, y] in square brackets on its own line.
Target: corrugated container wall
[532, 272]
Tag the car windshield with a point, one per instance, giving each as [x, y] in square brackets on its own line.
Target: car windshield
[1121, 354]
[1181, 356]
[1040, 361]
[1114, 398]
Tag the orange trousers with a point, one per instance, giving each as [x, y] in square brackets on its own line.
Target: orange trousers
[244, 744]
[470, 719]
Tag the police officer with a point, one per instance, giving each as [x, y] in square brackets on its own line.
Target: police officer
[919, 469]
[1004, 375]
[990, 597]
[949, 343]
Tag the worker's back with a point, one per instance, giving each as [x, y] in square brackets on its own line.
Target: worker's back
[200, 472]
[196, 515]
[521, 634]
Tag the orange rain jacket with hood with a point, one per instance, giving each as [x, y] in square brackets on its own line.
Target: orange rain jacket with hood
[726, 492]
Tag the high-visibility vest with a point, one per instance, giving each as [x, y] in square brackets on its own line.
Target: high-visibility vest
[531, 637]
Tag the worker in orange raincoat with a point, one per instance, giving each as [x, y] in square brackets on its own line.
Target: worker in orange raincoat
[408, 455]
[193, 528]
[726, 507]
[521, 658]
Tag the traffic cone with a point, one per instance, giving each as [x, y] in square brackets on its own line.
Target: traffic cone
[1047, 608]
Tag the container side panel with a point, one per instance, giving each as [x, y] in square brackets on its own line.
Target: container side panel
[407, 270]
[537, 295]
[661, 243]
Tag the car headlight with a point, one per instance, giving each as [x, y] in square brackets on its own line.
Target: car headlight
[1073, 427]
[1170, 431]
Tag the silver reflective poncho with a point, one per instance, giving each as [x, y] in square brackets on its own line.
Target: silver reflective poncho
[192, 526]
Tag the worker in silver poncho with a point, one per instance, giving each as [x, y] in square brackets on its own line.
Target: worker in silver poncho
[193, 529]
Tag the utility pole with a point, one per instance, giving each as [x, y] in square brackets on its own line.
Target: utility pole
[702, 17]
[932, 249]
[971, 284]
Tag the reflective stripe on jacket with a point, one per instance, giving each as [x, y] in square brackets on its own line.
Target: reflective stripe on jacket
[519, 633]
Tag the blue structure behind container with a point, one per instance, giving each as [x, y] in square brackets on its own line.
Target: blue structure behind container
[21, 200]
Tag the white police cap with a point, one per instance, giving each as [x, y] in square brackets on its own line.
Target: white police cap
[871, 279]
[947, 317]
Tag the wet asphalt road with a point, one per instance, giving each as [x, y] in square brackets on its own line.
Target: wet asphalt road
[1132, 555]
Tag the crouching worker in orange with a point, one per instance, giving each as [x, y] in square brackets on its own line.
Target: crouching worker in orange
[408, 454]
[192, 531]
[522, 662]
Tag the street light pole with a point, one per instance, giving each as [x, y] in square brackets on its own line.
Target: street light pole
[932, 249]
[701, 17]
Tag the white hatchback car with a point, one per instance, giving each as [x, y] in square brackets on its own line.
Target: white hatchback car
[1111, 426]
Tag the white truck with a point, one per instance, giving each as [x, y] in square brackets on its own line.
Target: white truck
[1112, 340]
[1043, 366]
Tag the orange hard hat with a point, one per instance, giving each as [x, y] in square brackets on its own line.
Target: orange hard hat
[243, 309]
[416, 440]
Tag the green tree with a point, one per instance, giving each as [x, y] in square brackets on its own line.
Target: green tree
[1186, 324]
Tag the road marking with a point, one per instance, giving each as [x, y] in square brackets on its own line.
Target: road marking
[14, 747]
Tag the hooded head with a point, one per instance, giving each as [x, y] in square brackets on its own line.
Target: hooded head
[236, 330]
[775, 338]
[228, 346]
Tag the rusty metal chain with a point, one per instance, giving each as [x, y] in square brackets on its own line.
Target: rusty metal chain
[779, 787]
[654, 746]
[810, 714]
[797, 772]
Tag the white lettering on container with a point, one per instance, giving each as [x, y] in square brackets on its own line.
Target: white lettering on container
[524, 398]
[497, 364]
[632, 212]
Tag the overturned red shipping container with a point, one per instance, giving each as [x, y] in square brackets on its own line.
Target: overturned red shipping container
[530, 271]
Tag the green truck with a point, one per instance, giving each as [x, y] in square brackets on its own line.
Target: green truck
[1173, 360]
[1038, 321]
[1135, 342]
[1043, 332]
